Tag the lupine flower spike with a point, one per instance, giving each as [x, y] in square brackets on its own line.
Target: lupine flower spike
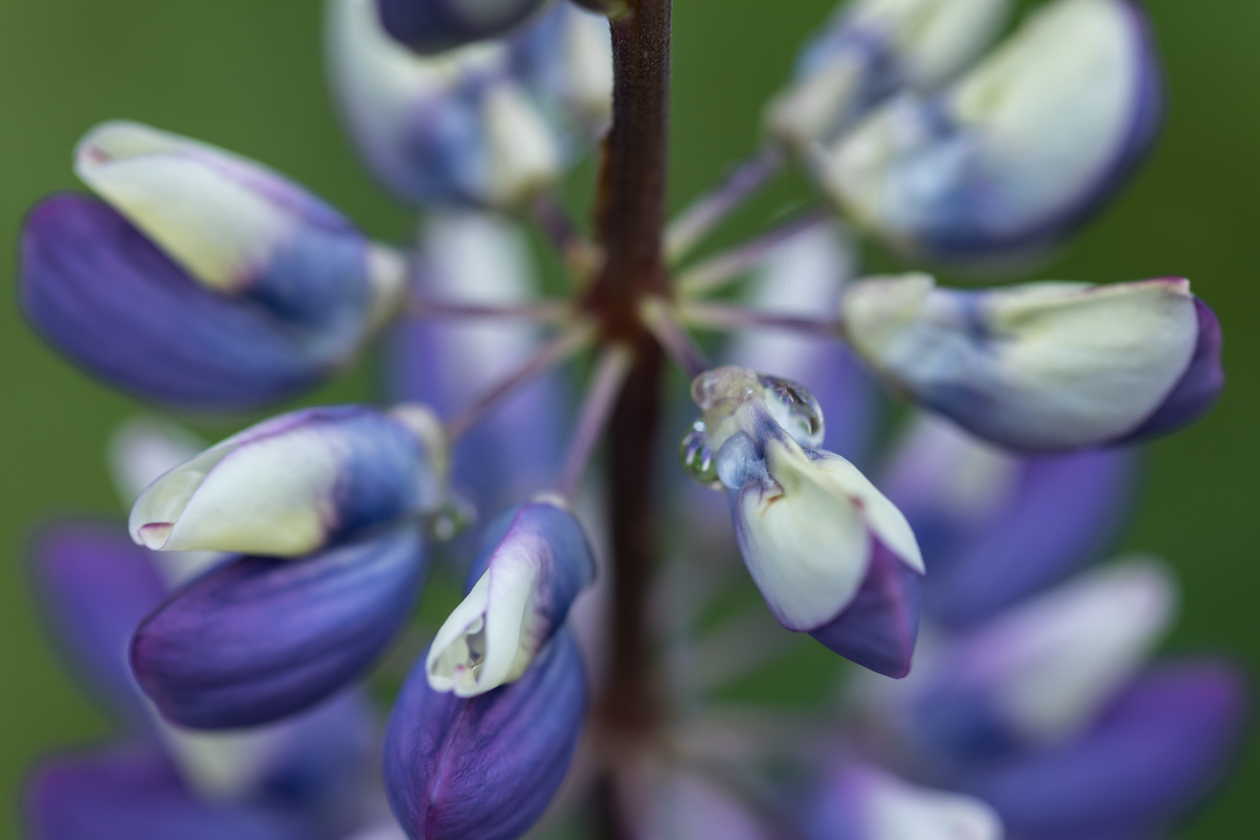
[1006, 688]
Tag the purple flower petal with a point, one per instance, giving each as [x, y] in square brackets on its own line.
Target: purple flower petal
[1158, 750]
[485, 768]
[104, 295]
[996, 528]
[96, 587]
[261, 638]
[878, 629]
[133, 793]
[1198, 388]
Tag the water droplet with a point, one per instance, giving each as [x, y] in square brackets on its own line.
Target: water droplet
[795, 409]
[697, 458]
[452, 518]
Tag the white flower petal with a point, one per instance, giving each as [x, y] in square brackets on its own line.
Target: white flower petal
[207, 208]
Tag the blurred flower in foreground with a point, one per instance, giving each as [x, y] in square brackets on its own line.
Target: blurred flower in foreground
[204, 280]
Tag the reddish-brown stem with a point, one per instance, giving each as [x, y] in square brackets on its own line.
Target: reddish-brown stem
[629, 220]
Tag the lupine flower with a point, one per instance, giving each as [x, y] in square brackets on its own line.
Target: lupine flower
[830, 554]
[158, 781]
[871, 49]
[430, 26]
[1013, 156]
[485, 767]
[974, 507]
[1043, 366]
[296, 483]
[861, 802]
[205, 280]
[534, 561]
[512, 454]
[486, 125]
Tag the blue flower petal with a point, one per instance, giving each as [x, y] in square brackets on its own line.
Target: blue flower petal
[430, 26]
[485, 768]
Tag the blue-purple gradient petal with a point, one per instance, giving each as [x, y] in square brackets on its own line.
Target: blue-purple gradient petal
[878, 630]
[430, 26]
[485, 768]
[104, 295]
[1062, 512]
[1198, 388]
[1157, 751]
[570, 565]
[133, 793]
[261, 638]
[95, 587]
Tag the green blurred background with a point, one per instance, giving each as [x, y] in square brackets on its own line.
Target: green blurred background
[247, 74]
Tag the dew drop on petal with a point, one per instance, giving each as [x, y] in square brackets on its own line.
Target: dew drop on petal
[697, 457]
[795, 409]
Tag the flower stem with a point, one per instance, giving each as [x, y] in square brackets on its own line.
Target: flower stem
[698, 220]
[724, 316]
[610, 375]
[658, 315]
[712, 274]
[629, 220]
[543, 312]
[555, 351]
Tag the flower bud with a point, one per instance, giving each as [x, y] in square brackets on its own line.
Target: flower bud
[871, 49]
[488, 125]
[1040, 674]
[973, 507]
[831, 555]
[261, 638]
[207, 280]
[861, 802]
[1011, 158]
[431, 26]
[1151, 758]
[293, 484]
[1043, 366]
[534, 561]
[485, 767]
